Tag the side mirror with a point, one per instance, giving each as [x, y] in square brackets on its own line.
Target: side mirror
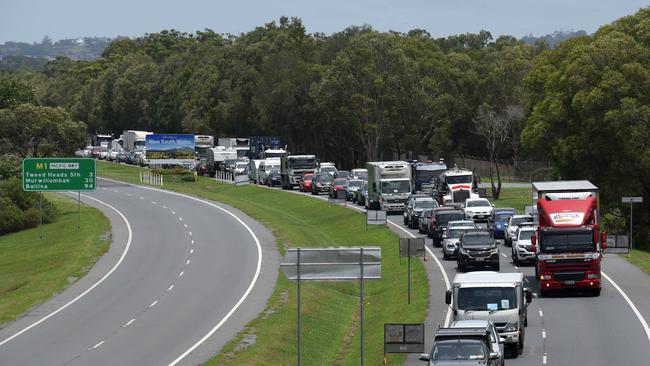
[603, 240]
[424, 357]
[448, 297]
[533, 240]
[502, 340]
[528, 295]
[494, 356]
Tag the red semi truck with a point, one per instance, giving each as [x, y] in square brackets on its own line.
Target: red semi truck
[568, 242]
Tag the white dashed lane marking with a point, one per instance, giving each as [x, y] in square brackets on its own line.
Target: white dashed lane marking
[188, 262]
[191, 251]
[190, 233]
[170, 288]
[504, 255]
[181, 274]
[129, 322]
[543, 333]
[173, 212]
[154, 202]
[180, 218]
[98, 344]
[544, 359]
[186, 228]
[541, 313]
[153, 304]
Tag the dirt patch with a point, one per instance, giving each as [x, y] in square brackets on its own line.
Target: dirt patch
[284, 296]
[106, 236]
[346, 343]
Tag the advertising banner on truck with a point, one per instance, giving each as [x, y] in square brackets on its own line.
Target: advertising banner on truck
[170, 149]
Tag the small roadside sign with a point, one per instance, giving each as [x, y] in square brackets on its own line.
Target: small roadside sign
[632, 200]
[59, 174]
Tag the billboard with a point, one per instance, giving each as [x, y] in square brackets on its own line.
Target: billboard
[170, 149]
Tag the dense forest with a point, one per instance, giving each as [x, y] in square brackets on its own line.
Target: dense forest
[360, 95]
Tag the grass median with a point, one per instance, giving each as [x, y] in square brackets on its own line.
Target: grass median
[330, 311]
[32, 270]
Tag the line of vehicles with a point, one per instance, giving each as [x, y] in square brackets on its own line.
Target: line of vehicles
[561, 238]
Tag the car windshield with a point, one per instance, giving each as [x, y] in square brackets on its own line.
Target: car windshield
[302, 163]
[526, 234]
[567, 241]
[459, 179]
[340, 182]
[502, 217]
[425, 204]
[444, 218]
[355, 183]
[459, 350]
[274, 171]
[477, 239]
[396, 186]
[361, 175]
[487, 298]
[518, 220]
[308, 178]
[342, 174]
[328, 169]
[481, 203]
[325, 178]
[455, 233]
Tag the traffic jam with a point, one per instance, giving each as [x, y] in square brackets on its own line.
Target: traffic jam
[500, 258]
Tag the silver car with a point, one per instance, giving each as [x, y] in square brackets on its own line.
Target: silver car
[450, 240]
[513, 224]
[496, 342]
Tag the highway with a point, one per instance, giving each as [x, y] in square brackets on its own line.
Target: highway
[566, 329]
[183, 276]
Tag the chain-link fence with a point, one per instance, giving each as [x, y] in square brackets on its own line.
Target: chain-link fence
[513, 170]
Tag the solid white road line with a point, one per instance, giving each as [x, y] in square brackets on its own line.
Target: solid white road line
[126, 249]
[644, 324]
[98, 344]
[442, 269]
[153, 304]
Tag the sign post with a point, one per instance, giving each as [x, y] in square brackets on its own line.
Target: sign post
[409, 247]
[56, 175]
[631, 201]
[332, 264]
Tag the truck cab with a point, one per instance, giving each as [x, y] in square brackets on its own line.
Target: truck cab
[455, 186]
[498, 297]
[293, 167]
[568, 242]
[389, 185]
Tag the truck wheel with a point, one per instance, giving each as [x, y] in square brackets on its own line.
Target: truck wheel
[445, 256]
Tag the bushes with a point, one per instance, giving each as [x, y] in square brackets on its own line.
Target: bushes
[19, 208]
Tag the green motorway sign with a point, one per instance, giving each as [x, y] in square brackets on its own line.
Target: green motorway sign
[59, 174]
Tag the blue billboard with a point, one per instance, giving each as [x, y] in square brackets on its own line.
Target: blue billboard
[170, 149]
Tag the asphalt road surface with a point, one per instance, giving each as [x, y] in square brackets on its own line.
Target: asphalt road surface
[181, 279]
[566, 329]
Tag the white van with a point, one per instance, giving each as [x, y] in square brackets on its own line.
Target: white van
[265, 168]
[498, 297]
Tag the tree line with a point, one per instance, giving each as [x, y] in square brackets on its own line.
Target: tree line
[360, 95]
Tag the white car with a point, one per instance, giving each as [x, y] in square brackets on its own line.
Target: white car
[522, 248]
[513, 225]
[451, 238]
[478, 209]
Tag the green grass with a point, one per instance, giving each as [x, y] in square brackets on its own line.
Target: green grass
[639, 258]
[330, 311]
[514, 197]
[32, 270]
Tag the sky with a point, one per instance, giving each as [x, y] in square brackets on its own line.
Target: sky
[31, 20]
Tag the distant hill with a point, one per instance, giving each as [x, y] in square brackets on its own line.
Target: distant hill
[553, 38]
[16, 54]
